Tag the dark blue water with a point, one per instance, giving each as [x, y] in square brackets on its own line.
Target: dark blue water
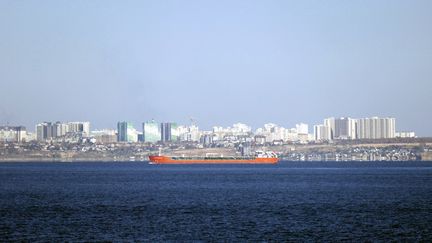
[325, 201]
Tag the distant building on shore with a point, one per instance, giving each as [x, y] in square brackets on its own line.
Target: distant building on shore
[341, 128]
[151, 132]
[104, 136]
[302, 128]
[362, 128]
[169, 132]
[376, 128]
[126, 132]
[322, 133]
[405, 134]
[12, 134]
[49, 130]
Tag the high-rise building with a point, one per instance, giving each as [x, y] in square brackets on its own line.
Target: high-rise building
[330, 122]
[60, 129]
[322, 133]
[44, 131]
[376, 128]
[352, 129]
[79, 127]
[165, 132]
[12, 133]
[169, 132]
[175, 135]
[126, 132]
[40, 135]
[342, 128]
[345, 128]
[151, 132]
[50, 130]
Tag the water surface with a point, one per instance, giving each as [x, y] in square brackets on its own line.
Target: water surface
[324, 201]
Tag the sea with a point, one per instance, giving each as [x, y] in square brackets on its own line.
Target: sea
[290, 201]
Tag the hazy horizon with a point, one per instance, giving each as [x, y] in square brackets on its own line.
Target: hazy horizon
[220, 62]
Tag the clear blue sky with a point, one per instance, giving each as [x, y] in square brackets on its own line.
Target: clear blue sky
[217, 61]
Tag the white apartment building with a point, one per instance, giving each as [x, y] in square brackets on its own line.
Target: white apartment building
[322, 133]
[376, 128]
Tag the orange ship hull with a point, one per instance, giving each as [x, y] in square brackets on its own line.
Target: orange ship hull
[179, 160]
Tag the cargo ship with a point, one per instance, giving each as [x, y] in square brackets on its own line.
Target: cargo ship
[260, 157]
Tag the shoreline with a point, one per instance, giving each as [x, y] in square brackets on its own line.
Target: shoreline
[27, 160]
[140, 152]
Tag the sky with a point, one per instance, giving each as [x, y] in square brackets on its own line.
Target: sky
[219, 62]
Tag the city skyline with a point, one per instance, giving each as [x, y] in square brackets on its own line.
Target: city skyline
[193, 122]
[332, 128]
[216, 121]
[219, 62]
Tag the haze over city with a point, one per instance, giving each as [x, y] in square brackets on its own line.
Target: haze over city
[219, 62]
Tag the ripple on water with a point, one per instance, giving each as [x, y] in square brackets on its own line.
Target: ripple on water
[132, 201]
